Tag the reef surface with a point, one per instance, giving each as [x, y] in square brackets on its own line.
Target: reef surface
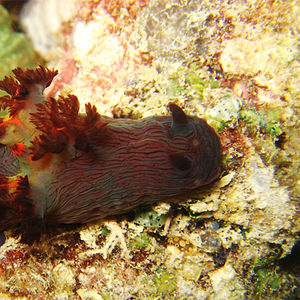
[234, 64]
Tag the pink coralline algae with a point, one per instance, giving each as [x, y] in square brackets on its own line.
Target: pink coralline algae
[61, 166]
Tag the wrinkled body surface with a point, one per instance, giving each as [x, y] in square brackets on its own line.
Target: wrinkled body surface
[63, 167]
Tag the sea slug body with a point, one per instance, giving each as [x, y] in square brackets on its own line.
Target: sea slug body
[60, 166]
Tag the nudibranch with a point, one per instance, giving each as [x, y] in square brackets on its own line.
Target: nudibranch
[61, 166]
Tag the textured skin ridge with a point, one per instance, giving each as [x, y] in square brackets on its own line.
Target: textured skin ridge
[72, 168]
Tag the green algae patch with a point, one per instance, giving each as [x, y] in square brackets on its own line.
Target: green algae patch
[141, 241]
[149, 218]
[190, 83]
[105, 295]
[265, 279]
[164, 281]
[266, 121]
[105, 231]
[16, 50]
[269, 280]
